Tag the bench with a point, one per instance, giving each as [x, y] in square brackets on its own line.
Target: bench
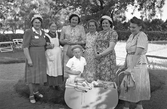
[6, 46]
[18, 43]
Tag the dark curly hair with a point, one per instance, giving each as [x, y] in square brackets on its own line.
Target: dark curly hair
[74, 15]
[137, 21]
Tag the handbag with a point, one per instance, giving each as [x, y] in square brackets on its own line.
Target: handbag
[69, 52]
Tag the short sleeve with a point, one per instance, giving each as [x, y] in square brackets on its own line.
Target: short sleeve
[47, 39]
[113, 36]
[84, 61]
[27, 38]
[82, 33]
[69, 63]
[142, 40]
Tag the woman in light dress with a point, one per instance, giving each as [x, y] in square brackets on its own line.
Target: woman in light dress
[72, 34]
[136, 65]
[54, 57]
[90, 46]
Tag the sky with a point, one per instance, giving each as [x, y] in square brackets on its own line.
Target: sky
[137, 14]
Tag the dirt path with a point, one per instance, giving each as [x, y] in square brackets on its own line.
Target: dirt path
[9, 99]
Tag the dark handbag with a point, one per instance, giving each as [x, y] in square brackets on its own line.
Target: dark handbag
[69, 52]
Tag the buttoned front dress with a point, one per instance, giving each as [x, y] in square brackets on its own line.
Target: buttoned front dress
[90, 53]
[36, 44]
[106, 65]
[140, 72]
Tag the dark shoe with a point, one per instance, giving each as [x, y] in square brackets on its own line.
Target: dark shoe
[38, 94]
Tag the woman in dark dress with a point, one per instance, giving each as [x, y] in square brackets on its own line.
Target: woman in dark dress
[34, 50]
[54, 57]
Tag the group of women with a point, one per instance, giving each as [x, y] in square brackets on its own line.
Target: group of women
[45, 60]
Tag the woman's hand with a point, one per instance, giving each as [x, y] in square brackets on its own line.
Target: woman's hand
[98, 55]
[30, 63]
[128, 71]
[49, 46]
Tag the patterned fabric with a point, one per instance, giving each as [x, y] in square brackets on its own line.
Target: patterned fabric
[73, 34]
[36, 44]
[106, 65]
[140, 71]
[90, 53]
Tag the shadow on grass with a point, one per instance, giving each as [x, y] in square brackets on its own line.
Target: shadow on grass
[51, 95]
[57, 97]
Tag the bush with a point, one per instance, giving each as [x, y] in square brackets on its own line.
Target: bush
[123, 35]
[152, 35]
[10, 37]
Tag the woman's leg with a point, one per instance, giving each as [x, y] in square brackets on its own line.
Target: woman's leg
[36, 90]
[31, 97]
[127, 104]
[139, 105]
[31, 89]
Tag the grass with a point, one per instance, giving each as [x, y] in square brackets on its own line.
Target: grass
[157, 74]
[17, 56]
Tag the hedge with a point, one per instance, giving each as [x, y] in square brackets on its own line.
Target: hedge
[152, 35]
[10, 37]
[123, 35]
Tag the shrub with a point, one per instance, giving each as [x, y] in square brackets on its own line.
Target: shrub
[152, 35]
[10, 37]
[123, 35]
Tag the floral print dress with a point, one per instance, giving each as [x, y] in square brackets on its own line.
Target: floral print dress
[90, 53]
[106, 65]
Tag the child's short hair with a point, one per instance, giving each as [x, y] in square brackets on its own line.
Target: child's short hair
[77, 46]
[89, 73]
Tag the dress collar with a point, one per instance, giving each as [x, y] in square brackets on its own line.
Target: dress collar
[34, 30]
[77, 58]
[95, 33]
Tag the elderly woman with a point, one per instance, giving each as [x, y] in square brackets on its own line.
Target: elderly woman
[73, 34]
[136, 65]
[54, 57]
[105, 53]
[90, 45]
[34, 50]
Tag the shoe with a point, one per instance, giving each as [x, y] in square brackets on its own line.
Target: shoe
[125, 107]
[38, 94]
[139, 107]
[32, 99]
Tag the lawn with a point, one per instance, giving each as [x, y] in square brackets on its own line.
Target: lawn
[157, 70]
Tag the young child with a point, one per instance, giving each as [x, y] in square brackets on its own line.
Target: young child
[75, 65]
[90, 82]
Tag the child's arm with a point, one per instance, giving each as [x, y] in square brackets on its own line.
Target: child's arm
[69, 71]
[84, 73]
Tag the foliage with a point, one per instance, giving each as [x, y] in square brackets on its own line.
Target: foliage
[14, 12]
[123, 35]
[152, 35]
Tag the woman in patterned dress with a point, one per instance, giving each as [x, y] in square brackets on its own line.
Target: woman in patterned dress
[136, 64]
[105, 53]
[73, 34]
[34, 50]
[54, 58]
[90, 45]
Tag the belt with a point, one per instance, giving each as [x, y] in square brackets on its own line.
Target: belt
[141, 64]
[132, 53]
